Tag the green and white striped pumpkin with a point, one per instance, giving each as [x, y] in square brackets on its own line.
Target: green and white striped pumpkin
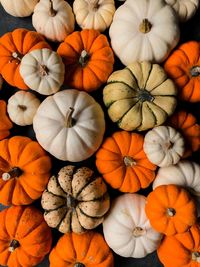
[140, 96]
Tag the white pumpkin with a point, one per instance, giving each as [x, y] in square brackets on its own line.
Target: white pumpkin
[43, 71]
[164, 146]
[22, 107]
[19, 8]
[70, 125]
[144, 30]
[184, 8]
[94, 14]
[127, 230]
[54, 19]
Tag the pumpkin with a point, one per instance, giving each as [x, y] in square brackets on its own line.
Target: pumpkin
[187, 125]
[88, 249]
[181, 250]
[20, 8]
[5, 123]
[88, 59]
[137, 31]
[70, 125]
[75, 200]
[94, 14]
[140, 96]
[43, 71]
[22, 107]
[123, 163]
[24, 171]
[183, 66]
[127, 230]
[54, 19]
[164, 146]
[185, 9]
[171, 209]
[13, 46]
[25, 238]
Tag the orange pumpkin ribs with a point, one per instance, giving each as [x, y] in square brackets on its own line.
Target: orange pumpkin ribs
[5, 123]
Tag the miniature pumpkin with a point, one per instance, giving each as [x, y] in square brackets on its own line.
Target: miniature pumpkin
[187, 125]
[24, 171]
[13, 46]
[19, 8]
[43, 71]
[123, 163]
[25, 238]
[140, 96]
[164, 146]
[5, 123]
[137, 31]
[22, 107]
[88, 59]
[127, 230]
[70, 125]
[183, 66]
[75, 200]
[54, 19]
[181, 250]
[94, 14]
[171, 209]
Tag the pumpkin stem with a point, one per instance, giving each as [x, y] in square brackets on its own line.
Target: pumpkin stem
[196, 256]
[144, 95]
[145, 26]
[195, 71]
[93, 4]
[68, 119]
[43, 70]
[13, 245]
[79, 264]
[171, 212]
[13, 173]
[22, 107]
[71, 202]
[83, 59]
[138, 231]
[52, 12]
[129, 161]
[168, 145]
[17, 55]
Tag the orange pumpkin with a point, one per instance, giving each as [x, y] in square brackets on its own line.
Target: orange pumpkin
[5, 123]
[123, 164]
[170, 209]
[187, 124]
[25, 238]
[88, 59]
[85, 250]
[181, 250]
[13, 46]
[24, 170]
[183, 66]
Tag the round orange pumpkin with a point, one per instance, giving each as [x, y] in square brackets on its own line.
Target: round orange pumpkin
[24, 170]
[123, 164]
[85, 250]
[5, 123]
[13, 46]
[88, 59]
[25, 238]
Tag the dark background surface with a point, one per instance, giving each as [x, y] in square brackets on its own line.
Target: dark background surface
[189, 31]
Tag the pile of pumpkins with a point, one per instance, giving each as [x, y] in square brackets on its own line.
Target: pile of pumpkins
[66, 94]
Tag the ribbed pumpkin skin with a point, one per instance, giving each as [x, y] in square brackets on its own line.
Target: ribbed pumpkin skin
[89, 249]
[34, 165]
[5, 123]
[122, 162]
[98, 66]
[27, 226]
[20, 42]
[177, 250]
[179, 65]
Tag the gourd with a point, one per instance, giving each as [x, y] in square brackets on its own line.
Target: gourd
[88, 59]
[94, 14]
[20, 8]
[164, 146]
[140, 96]
[171, 209]
[25, 238]
[137, 31]
[22, 107]
[127, 230]
[24, 171]
[13, 46]
[75, 200]
[54, 19]
[5, 123]
[77, 125]
[43, 71]
[183, 66]
[123, 164]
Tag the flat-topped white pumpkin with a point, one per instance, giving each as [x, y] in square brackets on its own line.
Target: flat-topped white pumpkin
[19, 8]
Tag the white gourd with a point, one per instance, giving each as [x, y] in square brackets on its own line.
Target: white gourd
[19, 8]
